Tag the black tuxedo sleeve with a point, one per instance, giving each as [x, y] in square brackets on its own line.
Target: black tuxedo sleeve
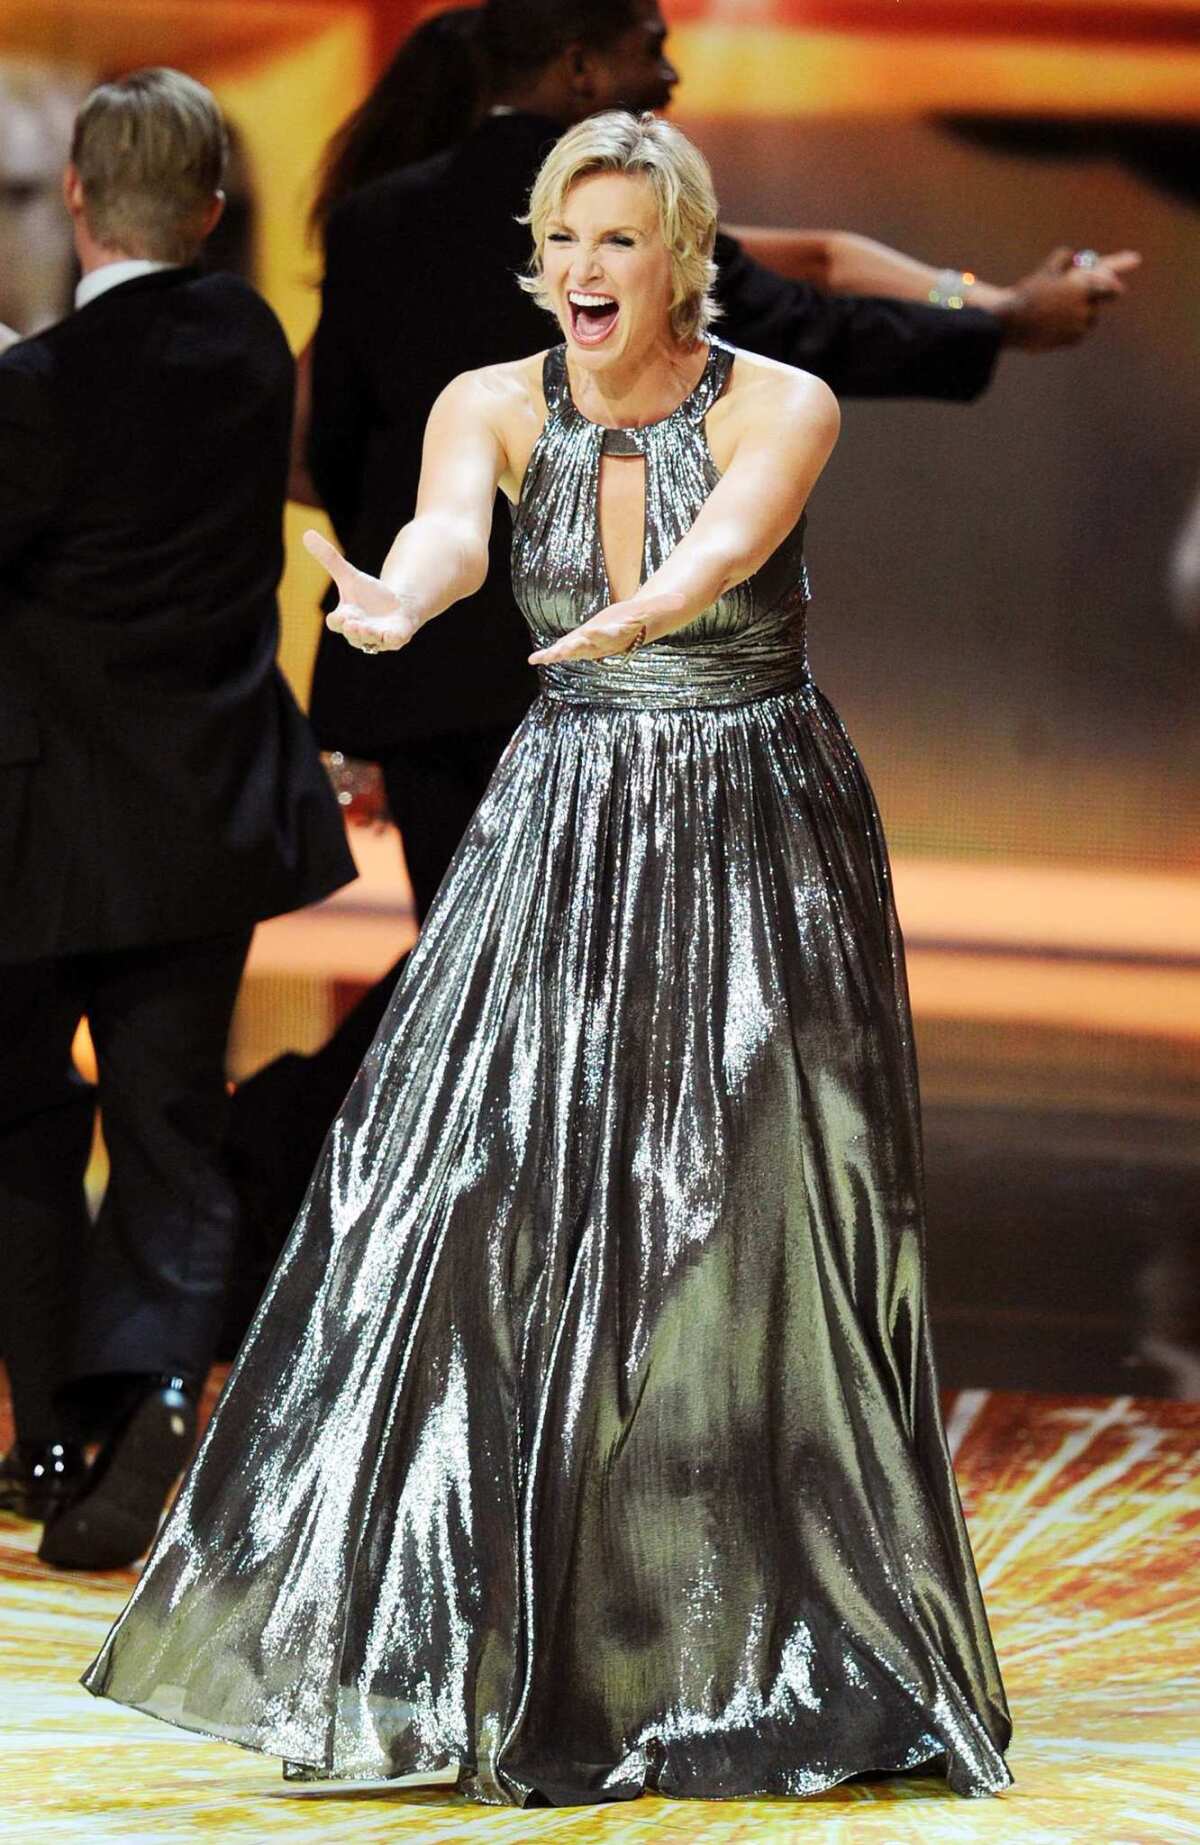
[861, 346]
[32, 459]
[341, 395]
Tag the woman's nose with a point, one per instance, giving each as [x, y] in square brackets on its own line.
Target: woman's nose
[585, 268]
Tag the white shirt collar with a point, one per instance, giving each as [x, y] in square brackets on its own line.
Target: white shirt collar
[111, 275]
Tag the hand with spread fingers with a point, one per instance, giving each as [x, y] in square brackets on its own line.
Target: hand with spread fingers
[618, 630]
[369, 615]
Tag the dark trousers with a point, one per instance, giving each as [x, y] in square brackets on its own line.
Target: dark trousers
[282, 1114]
[433, 789]
[83, 1306]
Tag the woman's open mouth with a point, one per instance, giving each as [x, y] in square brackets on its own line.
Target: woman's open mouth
[593, 317]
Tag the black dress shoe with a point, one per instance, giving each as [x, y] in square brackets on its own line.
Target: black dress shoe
[37, 1479]
[113, 1519]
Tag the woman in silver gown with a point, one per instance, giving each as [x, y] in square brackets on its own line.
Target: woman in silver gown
[587, 1437]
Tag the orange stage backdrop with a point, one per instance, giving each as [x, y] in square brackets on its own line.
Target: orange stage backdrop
[991, 609]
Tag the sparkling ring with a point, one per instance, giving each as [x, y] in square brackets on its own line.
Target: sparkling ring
[639, 640]
[375, 647]
[1086, 259]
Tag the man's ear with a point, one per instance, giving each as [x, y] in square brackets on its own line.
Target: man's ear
[73, 191]
[580, 67]
[212, 214]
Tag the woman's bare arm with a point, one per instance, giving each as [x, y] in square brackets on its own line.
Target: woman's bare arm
[441, 555]
[843, 263]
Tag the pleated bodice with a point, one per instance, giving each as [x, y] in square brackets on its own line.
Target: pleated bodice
[749, 643]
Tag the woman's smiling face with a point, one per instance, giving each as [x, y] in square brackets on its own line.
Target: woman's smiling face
[607, 270]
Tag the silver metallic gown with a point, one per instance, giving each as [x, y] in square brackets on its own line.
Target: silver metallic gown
[588, 1434]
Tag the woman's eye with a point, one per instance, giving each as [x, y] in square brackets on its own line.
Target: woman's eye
[558, 237]
[626, 243]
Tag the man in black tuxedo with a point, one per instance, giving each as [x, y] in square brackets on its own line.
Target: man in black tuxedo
[159, 794]
[419, 286]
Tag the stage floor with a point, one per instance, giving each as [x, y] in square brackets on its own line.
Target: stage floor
[1084, 1513]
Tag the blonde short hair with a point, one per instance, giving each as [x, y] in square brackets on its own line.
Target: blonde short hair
[617, 142]
[150, 150]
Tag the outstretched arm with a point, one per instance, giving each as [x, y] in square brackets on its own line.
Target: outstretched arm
[845, 263]
[1054, 305]
[442, 553]
[839, 262]
[876, 346]
[782, 436]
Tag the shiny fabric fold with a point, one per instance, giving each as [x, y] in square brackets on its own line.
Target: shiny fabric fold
[587, 1437]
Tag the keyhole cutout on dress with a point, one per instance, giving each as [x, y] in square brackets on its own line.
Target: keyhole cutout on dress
[621, 518]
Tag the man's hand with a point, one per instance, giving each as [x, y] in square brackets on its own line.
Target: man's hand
[369, 615]
[1058, 304]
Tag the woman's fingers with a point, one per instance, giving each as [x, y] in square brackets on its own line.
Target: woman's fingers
[329, 557]
[619, 629]
[368, 615]
[368, 639]
[593, 640]
[350, 581]
[569, 648]
[370, 636]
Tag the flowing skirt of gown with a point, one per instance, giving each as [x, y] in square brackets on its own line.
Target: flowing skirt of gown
[588, 1435]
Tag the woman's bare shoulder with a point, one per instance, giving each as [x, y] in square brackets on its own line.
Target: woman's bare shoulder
[793, 413]
[765, 389]
[513, 386]
[508, 399]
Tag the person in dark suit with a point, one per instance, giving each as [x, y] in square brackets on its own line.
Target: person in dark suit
[420, 285]
[160, 793]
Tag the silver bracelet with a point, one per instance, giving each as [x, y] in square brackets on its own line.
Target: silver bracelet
[952, 288]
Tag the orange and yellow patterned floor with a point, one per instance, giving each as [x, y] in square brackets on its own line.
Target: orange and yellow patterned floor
[1085, 1515]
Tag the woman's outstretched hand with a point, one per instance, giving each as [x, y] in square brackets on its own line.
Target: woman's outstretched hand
[623, 627]
[369, 615]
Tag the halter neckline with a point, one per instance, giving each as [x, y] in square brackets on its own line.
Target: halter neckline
[629, 439]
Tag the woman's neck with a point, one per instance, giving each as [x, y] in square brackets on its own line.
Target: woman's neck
[642, 389]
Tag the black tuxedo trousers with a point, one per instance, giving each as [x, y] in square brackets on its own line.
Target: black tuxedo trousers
[142, 1289]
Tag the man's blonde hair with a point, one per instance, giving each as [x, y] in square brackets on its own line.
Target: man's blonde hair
[641, 145]
[150, 150]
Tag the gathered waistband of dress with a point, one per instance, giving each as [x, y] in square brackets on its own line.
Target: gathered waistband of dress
[662, 678]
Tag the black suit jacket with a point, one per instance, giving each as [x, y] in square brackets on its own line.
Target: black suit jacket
[419, 287]
[157, 782]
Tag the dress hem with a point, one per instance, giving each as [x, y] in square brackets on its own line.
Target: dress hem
[349, 1781]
